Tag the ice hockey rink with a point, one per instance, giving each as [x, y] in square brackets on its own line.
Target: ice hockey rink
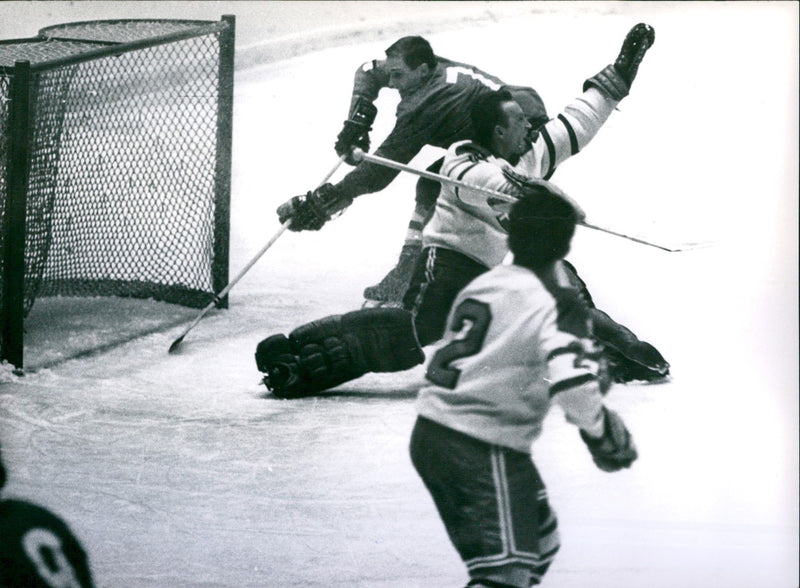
[179, 470]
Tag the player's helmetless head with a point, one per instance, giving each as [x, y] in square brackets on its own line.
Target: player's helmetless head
[409, 61]
[533, 107]
[541, 226]
[501, 126]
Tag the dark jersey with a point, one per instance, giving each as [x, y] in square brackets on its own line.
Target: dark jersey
[37, 549]
[437, 113]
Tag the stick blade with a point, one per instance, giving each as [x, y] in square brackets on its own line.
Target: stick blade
[175, 344]
[688, 246]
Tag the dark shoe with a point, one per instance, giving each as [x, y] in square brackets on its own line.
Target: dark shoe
[646, 355]
[624, 369]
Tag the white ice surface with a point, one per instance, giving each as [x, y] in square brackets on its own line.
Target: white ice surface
[176, 470]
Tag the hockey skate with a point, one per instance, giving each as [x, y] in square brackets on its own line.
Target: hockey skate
[389, 292]
[630, 359]
[640, 363]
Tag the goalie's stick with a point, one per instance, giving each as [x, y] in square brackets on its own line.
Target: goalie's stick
[359, 155]
[218, 297]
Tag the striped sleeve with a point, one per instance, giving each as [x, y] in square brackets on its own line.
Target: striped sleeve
[463, 163]
[572, 372]
[571, 131]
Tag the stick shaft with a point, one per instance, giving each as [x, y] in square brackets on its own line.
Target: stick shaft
[628, 237]
[434, 176]
[246, 268]
[499, 195]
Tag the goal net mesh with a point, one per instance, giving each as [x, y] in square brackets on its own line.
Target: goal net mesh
[123, 194]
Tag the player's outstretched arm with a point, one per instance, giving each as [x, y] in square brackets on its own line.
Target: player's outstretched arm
[616, 79]
[614, 449]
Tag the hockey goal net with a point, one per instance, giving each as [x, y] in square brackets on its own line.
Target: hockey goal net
[115, 141]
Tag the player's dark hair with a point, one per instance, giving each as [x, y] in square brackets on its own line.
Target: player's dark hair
[540, 229]
[531, 104]
[414, 51]
[487, 112]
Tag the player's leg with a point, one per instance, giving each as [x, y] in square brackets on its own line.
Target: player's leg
[629, 357]
[390, 290]
[492, 502]
[439, 276]
[322, 354]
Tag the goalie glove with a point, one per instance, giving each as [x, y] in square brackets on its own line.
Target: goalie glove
[355, 132]
[615, 80]
[312, 210]
[613, 450]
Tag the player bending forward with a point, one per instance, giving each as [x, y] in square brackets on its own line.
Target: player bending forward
[436, 95]
[465, 238]
[37, 549]
[518, 340]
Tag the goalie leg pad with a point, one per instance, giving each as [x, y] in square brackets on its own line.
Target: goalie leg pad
[336, 349]
[382, 339]
[280, 366]
[324, 354]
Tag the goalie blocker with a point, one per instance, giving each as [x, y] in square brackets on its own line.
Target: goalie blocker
[336, 349]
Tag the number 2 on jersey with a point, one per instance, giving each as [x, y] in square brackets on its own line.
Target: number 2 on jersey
[471, 320]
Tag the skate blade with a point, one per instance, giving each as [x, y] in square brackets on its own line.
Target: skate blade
[381, 304]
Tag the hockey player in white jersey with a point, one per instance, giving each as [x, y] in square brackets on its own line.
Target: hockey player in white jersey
[465, 238]
[467, 233]
[518, 339]
[436, 95]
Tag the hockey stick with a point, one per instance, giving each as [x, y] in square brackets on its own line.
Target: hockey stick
[359, 155]
[671, 249]
[218, 297]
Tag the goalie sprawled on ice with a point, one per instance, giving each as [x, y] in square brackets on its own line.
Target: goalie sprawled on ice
[466, 236]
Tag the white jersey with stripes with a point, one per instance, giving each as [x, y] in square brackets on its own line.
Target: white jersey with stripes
[514, 343]
[469, 221]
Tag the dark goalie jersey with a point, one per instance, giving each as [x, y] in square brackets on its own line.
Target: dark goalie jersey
[37, 549]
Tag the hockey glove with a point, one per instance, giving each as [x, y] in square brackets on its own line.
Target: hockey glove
[529, 185]
[615, 80]
[311, 211]
[355, 132]
[614, 450]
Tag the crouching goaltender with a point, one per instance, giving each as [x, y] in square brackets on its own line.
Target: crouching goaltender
[465, 238]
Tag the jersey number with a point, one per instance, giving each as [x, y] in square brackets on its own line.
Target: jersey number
[456, 70]
[471, 320]
[43, 548]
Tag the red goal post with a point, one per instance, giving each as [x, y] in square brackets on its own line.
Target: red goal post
[115, 164]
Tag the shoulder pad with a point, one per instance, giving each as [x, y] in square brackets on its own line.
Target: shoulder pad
[474, 151]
